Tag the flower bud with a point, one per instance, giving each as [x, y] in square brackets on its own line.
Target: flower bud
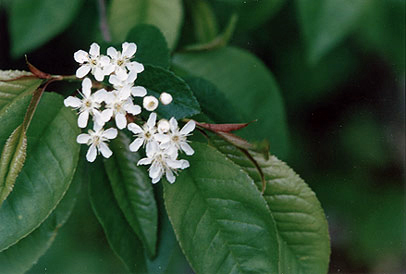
[165, 98]
[163, 126]
[150, 103]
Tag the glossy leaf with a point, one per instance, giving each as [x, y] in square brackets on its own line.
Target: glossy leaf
[164, 14]
[30, 25]
[12, 161]
[248, 85]
[120, 236]
[300, 220]
[204, 21]
[133, 191]
[52, 154]
[325, 23]
[20, 257]
[220, 218]
[152, 48]
[158, 80]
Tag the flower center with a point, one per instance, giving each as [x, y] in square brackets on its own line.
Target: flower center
[96, 140]
[175, 138]
[88, 104]
[120, 62]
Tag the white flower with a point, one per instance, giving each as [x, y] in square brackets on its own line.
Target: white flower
[121, 60]
[163, 126]
[150, 103]
[90, 103]
[163, 161]
[92, 62]
[165, 98]
[118, 104]
[178, 138]
[145, 135]
[96, 140]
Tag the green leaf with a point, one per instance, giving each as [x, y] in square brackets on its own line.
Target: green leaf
[300, 220]
[204, 21]
[220, 218]
[164, 14]
[52, 155]
[325, 23]
[211, 100]
[152, 48]
[30, 25]
[120, 236]
[158, 80]
[20, 257]
[248, 85]
[12, 161]
[133, 191]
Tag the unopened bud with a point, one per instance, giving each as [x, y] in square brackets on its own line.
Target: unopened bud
[165, 98]
[163, 126]
[150, 103]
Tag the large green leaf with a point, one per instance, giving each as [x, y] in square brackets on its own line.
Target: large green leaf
[52, 156]
[133, 191]
[248, 85]
[158, 80]
[152, 48]
[21, 256]
[301, 224]
[167, 15]
[220, 218]
[325, 23]
[119, 233]
[30, 25]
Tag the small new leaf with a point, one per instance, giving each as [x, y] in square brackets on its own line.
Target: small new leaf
[11, 161]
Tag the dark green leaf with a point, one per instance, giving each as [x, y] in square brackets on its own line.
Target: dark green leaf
[164, 14]
[152, 48]
[133, 191]
[21, 256]
[301, 224]
[204, 21]
[12, 161]
[158, 80]
[220, 218]
[119, 233]
[211, 100]
[33, 23]
[325, 23]
[52, 156]
[250, 88]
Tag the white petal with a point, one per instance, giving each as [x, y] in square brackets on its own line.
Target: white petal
[162, 138]
[110, 133]
[97, 127]
[144, 161]
[121, 73]
[135, 66]
[104, 61]
[112, 52]
[187, 148]
[151, 148]
[175, 164]
[106, 115]
[136, 144]
[174, 124]
[113, 79]
[98, 74]
[136, 129]
[108, 69]
[189, 127]
[82, 71]
[105, 150]
[86, 87]
[72, 102]
[138, 91]
[151, 120]
[97, 117]
[155, 170]
[169, 176]
[83, 138]
[185, 164]
[131, 108]
[91, 153]
[156, 180]
[121, 121]
[124, 93]
[94, 50]
[100, 95]
[82, 120]
[80, 56]
[132, 76]
[129, 49]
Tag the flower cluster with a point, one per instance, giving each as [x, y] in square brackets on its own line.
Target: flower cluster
[162, 141]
